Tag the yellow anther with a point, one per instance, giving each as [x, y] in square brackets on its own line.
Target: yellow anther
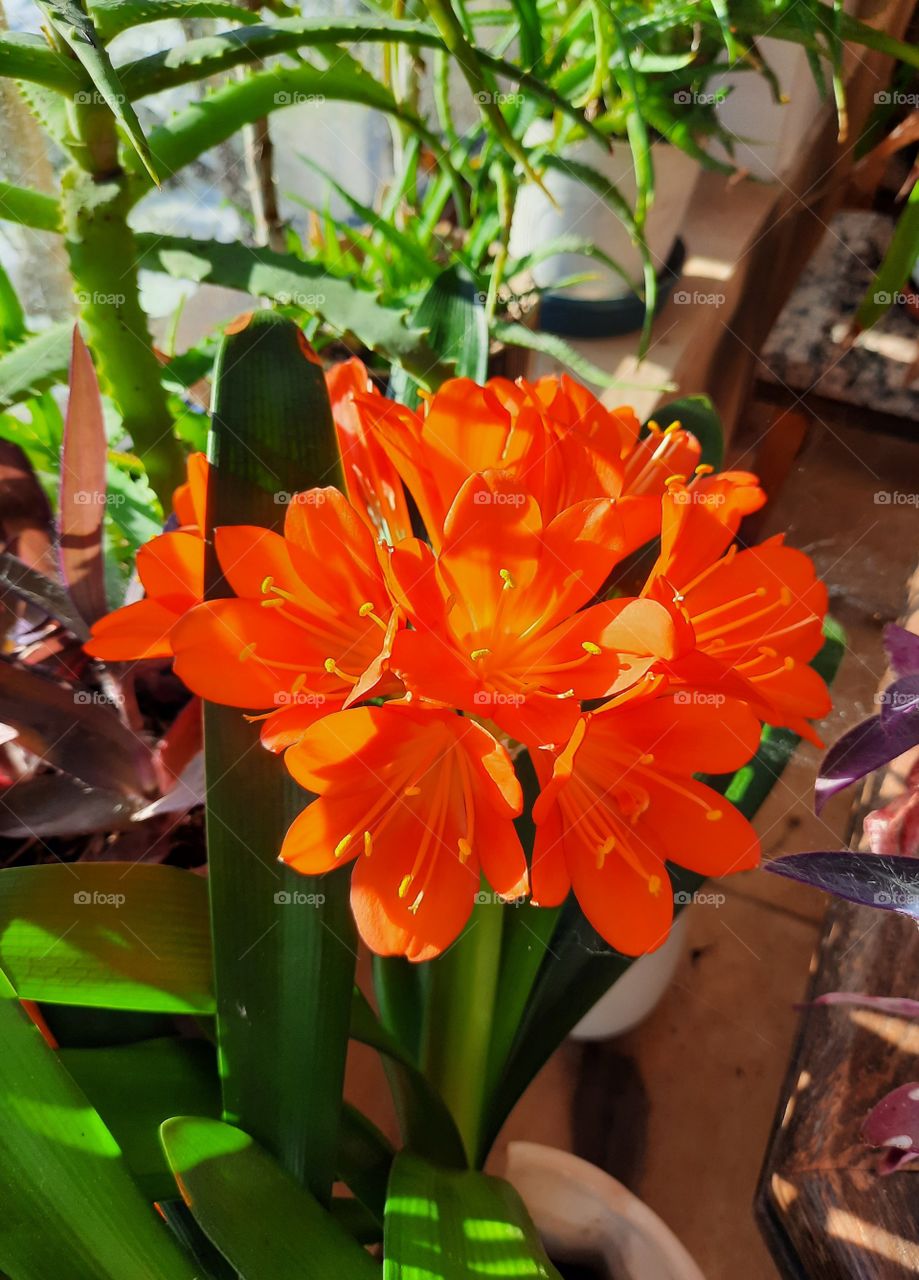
[714, 815]
[479, 653]
[412, 791]
[647, 758]
[569, 693]
[789, 664]
[654, 886]
[342, 845]
[767, 651]
[368, 844]
[366, 607]
[589, 647]
[762, 591]
[267, 584]
[417, 903]
[330, 665]
[505, 576]
[465, 849]
[674, 479]
[245, 654]
[652, 425]
[403, 887]
[785, 596]
[704, 469]
[273, 602]
[605, 848]
[674, 426]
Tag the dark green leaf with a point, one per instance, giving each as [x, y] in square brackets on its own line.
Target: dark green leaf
[135, 1087]
[35, 365]
[454, 316]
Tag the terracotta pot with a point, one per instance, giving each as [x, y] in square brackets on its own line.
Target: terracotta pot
[585, 1216]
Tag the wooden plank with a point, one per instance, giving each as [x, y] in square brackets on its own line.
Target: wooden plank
[824, 1209]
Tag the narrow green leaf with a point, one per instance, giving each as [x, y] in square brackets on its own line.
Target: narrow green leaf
[116, 935]
[35, 365]
[343, 304]
[698, 415]
[284, 970]
[27, 57]
[518, 335]
[426, 1124]
[898, 262]
[443, 1225]
[29, 208]
[263, 1223]
[75, 28]
[457, 326]
[365, 1157]
[70, 1208]
[111, 17]
[135, 1087]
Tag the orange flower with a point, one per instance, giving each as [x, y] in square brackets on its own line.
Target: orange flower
[621, 801]
[311, 615]
[499, 624]
[423, 802]
[171, 571]
[557, 439]
[757, 615]
[373, 484]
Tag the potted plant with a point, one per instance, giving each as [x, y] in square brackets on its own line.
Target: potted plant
[421, 729]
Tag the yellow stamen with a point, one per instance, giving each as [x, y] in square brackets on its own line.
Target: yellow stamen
[367, 611]
[465, 849]
[654, 886]
[714, 815]
[246, 654]
[342, 845]
[404, 886]
[589, 647]
[674, 426]
[368, 844]
[267, 584]
[417, 903]
[412, 791]
[704, 469]
[274, 602]
[505, 576]
[674, 479]
[479, 653]
[647, 758]
[334, 669]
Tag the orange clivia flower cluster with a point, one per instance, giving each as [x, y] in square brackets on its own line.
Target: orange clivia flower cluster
[402, 675]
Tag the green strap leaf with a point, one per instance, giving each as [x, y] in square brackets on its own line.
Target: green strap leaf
[35, 365]
[285, 279]
[899, 260]
[20, 580]
[444, 1225]
[263, 1223]
[365, 1158]
[114, 935]
[29, 208]
[76, 29]
[283, 969]
[70, 1207]
[426, 1124]
[136, 1087]
[457, 326]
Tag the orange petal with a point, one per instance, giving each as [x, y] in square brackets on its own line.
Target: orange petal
[690, 731]
[679, 825]
[188, 501]
[251, 556]
[333, 551]
[224, 651]
[140, 630]
[171, 568]
[622, 905]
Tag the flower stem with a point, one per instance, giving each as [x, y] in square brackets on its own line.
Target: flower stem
[458, 1023]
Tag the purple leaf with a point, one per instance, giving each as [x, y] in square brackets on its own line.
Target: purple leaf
[899, 1006]
[872, 743]
[902, 649]
[872, 881]
[894, 1124]
[84, 460]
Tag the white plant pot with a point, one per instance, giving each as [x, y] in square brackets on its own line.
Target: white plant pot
[584, 1215]
[637, 993]
[578, 211]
